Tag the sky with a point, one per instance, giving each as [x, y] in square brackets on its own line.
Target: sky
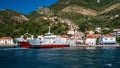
[24, 6]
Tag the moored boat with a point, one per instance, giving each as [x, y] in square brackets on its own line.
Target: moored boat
[47, 41]
[28, 45]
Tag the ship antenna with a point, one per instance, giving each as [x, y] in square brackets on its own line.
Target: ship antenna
[49, 30]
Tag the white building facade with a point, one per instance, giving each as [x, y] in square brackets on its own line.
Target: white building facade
[6, 41]
[109, 40]
[90, 41]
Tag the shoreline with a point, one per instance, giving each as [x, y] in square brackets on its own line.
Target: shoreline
[96, 46]
[8, 46]
[16, 45]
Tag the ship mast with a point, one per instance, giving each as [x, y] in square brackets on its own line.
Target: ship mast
[49, 30]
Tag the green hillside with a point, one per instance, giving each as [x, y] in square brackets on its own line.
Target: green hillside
[105, 14]
[107, 20]
[92, 4]
[6, 16]
[36, 25]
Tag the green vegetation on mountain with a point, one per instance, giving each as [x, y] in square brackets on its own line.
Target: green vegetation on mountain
[33, 15]
[92, 4]
[36, 25]
[87, 14]
[6, 16]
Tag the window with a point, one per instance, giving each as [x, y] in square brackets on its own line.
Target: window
[105, 38]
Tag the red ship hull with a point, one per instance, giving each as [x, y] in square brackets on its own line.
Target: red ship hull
[27, 45]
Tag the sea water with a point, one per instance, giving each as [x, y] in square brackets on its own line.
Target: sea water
[70, 57]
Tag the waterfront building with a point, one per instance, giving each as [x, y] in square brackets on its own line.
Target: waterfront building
[91, 39]
[6, 41]
[107, 39]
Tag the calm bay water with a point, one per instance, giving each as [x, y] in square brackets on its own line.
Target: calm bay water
[103, 57]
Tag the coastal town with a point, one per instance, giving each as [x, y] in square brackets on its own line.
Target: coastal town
[76, 39]
[59, 33]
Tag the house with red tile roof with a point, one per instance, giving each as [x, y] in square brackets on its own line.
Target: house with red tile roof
[6, 41]
[91, 39]
[93, 35]
[107, 39]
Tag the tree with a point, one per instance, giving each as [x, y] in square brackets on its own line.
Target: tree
[118, 39]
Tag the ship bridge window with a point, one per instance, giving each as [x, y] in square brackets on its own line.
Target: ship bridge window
[105, 38]
[39, 38]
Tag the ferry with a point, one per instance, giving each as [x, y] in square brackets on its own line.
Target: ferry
[45, 41]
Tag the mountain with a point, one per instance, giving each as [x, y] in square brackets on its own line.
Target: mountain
[88, 11]
[9, 16]
[15, 24]
[91, 4]
[86, 14]
[89, 14]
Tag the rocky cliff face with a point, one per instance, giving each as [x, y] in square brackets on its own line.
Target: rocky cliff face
[87, 11]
